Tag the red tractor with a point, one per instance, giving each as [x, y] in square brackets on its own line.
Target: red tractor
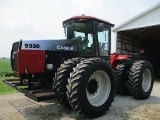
[81, 67]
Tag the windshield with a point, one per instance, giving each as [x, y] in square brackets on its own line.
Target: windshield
[83, 33]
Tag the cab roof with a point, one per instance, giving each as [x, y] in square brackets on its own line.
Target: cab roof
[89, 17]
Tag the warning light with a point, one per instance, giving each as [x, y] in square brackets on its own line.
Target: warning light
[63, 25]
[141, 51]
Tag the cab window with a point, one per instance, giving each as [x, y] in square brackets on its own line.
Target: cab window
[103, 38]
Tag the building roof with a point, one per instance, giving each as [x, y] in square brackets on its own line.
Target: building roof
[128, 23]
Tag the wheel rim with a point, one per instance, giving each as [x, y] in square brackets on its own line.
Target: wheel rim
[147, 77]
[98, 88]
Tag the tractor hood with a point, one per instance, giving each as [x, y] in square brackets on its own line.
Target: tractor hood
[53, 45]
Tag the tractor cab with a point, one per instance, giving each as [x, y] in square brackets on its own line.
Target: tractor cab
[93, 35]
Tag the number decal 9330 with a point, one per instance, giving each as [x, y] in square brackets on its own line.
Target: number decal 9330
[32, 45]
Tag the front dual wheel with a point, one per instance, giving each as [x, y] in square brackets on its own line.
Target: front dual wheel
[98, 88]
[91, 87]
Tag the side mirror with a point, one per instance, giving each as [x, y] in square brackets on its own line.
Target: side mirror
[100, 27]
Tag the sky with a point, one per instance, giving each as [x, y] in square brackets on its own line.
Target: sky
[42, 19]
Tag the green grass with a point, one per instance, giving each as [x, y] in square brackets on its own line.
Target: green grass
[5, 67]
[4, 88]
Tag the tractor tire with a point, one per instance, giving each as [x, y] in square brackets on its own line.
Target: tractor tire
[91, 87]
[122, 72]
[61, 76]
[141, 79]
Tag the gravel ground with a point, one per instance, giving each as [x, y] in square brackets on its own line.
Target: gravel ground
[19, 107]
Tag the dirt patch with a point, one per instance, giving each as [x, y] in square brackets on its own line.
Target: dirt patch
[147, 112]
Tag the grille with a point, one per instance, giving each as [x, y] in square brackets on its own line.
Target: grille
[14, 61]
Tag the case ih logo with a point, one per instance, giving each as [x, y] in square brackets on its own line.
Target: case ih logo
[64, 48]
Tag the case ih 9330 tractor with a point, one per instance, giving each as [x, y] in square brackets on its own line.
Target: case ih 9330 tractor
[81, 67]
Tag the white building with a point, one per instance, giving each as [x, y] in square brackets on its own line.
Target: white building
[141, 32]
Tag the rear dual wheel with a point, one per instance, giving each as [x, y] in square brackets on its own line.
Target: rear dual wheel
[136, 79]
[91, 87]
[122, 72]
[141, 79]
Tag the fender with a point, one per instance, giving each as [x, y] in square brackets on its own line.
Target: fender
[114, 58]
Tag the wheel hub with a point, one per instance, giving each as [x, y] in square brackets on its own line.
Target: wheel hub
[92, 86]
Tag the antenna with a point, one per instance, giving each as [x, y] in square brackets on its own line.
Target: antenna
[84, 7]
